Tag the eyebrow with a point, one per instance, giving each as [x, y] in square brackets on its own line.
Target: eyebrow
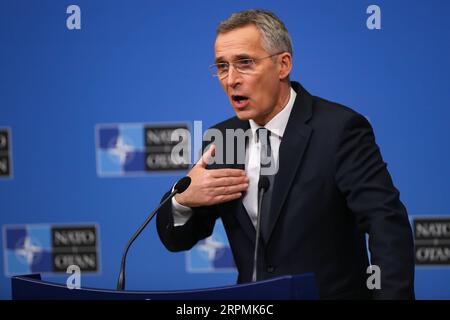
[237, 57]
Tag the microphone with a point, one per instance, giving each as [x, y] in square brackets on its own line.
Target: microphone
[263, 186]
[180, 187]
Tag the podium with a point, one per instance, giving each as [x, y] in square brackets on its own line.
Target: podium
[295, 287]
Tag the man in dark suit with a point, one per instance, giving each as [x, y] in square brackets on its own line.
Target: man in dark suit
[330, 188]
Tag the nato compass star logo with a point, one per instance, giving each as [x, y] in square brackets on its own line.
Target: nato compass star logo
[28, 250]
[210, 247]
[212, 254]
[121, 150]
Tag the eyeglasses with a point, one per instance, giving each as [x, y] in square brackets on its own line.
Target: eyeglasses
[244, 66]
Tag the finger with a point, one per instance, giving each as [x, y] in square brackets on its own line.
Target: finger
[228, 181]
[229, 189]
[220, 173]
[226, 198]
[207, 156]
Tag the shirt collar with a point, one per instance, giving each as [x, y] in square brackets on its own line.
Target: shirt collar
[277, 124]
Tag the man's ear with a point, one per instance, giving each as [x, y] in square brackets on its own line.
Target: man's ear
[285, 60]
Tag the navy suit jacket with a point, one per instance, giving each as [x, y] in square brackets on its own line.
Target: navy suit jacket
[331, 190]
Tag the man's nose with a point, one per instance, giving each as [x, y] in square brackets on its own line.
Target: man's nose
[233, 78]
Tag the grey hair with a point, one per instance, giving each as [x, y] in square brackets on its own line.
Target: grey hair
[275, 35]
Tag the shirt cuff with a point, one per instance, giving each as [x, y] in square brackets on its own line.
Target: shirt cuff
[181, 214]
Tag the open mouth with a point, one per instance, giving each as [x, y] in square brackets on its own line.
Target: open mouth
[239, 98]
[240, 101]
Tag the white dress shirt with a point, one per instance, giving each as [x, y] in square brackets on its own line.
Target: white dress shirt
[276, 126]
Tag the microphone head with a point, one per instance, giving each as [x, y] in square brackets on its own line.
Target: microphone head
[263, 183]
[182, 184]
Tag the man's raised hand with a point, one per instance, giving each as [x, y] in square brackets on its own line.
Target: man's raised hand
[210, 187]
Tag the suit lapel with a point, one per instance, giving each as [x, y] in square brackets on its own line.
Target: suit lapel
[292, 148]
[237, 206]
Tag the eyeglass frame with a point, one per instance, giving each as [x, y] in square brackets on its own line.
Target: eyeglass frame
[254, 60]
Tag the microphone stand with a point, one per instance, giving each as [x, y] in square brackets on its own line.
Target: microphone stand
[263, 185]
[180, 187]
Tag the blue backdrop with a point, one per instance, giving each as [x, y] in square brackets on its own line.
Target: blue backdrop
[147, 62]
